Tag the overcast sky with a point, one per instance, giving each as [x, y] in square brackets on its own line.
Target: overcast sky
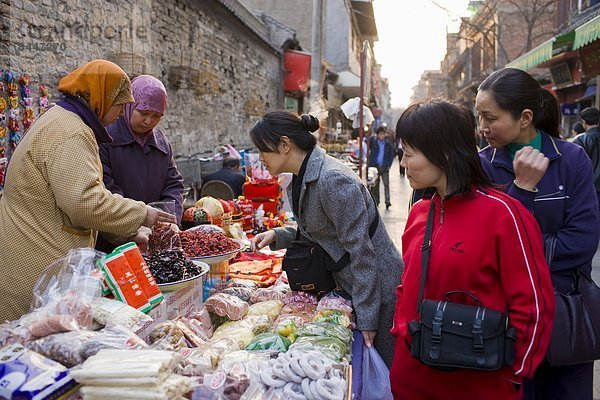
[412, 38]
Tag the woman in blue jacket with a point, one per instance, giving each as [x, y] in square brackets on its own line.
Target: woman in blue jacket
[138, 163]
[553, 179]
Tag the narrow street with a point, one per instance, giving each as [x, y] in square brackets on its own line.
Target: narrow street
[395, 219]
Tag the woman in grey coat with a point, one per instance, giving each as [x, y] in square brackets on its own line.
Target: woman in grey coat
[334, 209]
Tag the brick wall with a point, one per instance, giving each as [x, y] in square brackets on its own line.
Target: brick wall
[48, 38]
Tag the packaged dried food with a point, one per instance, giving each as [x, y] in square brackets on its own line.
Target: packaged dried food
[326, 329]
[300, 297]
[269, 308]
[201, 319]
[333, 301]
[204, 358]
[299, 308]
[112, 337]
[237, 282]
[287, 329]
[269, 341]
[333, 348]
[111, 367]
[243, 330]
[172, 387]
[74, 275]
[193, 330]
[278, 292]
[333, 316]
[122, 281]
[66, 312]
[63, 293]
[255, 267]
[167, 336]
[221, 386]
[10, 333]
[112, 312]
[226, 305]
[25, 374]
[235, 362]
[242, 293]
[142, 272]
[299, 320]
[239, 332]
[65, 348]
[164, 236]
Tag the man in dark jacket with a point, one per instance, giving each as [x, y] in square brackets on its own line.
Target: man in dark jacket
[590, 141]
[230, 174]
[381, 156]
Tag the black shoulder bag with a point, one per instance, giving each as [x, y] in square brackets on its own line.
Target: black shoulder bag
[309, 268]
[576, 319]
[450, 335]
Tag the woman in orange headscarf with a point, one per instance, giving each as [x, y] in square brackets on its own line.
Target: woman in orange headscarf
[54, 199]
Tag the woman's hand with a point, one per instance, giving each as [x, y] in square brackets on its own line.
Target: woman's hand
[154, 215]
[141, 238]
[369, 337]
[262, 239]
[530, 165]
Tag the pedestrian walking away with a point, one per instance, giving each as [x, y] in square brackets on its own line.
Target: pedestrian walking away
[381, 156]
[590, 141]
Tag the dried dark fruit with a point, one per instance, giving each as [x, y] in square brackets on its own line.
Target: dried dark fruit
[171, 266]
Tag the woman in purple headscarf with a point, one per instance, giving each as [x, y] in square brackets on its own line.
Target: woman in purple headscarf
[139, 164]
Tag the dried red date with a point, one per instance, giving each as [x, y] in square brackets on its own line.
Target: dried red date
[200, 244]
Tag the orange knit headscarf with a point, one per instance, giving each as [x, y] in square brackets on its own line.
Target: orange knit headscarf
[100, 83]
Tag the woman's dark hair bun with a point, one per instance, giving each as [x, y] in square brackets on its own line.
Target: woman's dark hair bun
[309, 122]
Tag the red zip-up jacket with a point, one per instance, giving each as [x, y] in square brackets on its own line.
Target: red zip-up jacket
[486, 243]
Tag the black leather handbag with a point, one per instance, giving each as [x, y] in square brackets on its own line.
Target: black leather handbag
[451, 335]
[576, 333]
[309, 268]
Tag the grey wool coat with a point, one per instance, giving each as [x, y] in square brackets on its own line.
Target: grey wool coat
[335, 210]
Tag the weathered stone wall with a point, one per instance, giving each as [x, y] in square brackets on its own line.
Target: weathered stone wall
[235, 75]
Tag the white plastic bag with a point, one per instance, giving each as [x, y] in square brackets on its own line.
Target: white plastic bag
[375, 376]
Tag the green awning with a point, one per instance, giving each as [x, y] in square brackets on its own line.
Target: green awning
[534, 57]
[587, 33]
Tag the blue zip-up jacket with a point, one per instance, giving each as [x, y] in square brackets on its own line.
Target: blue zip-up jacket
[388, 154]
[564, 205]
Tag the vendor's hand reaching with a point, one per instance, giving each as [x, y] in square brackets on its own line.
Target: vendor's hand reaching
[141, 238]
[262, 239]
[154, 215]
[369, 337]
[529, 165]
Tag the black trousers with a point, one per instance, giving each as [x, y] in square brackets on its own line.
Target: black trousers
[574, 382]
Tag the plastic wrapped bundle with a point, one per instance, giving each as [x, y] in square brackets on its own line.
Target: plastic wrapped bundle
[226, 305]
[326, 329]
[269, 341]
[269, 308]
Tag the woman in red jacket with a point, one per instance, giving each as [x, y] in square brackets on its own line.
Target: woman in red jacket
[483, 242]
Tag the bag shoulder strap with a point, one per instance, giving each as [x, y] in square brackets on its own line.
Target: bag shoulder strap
[372, 226]
[375, 222]
[425, 251]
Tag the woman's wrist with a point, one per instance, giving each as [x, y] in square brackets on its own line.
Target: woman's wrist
[524, 187]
